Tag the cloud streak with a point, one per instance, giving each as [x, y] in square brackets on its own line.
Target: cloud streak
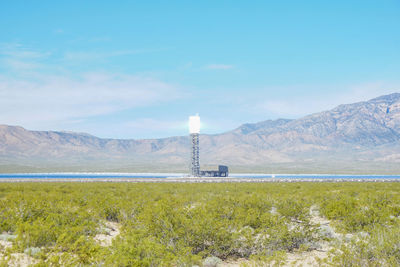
[79, 56]
[219, 67]
[50, 98]
[296, 106]
[36, 94]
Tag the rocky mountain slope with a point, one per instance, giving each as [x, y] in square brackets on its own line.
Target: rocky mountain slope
[359, 137]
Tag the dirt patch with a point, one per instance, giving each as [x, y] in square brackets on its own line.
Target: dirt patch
[308, 258]
[5, 244]
[316, 256]
[110, 231]
[316, 217]
[235, 263]
[20, 259]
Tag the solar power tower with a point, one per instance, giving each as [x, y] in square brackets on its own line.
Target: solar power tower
[194, 130]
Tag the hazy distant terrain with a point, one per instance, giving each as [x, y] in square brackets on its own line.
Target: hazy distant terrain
[362, 137]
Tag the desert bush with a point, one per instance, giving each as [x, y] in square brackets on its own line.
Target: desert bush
[183, 224]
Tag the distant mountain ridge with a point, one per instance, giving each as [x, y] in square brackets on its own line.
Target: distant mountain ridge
[355, 138]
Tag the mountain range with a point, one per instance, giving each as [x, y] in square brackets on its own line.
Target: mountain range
[362, 137]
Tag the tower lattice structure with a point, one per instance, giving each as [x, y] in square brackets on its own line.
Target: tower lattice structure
[195, 162]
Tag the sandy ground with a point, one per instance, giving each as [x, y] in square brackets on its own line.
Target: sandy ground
[15, 259]
[112, 230]
[5, 244]
[21, 259]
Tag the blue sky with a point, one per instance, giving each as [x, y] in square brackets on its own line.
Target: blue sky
[138, 69]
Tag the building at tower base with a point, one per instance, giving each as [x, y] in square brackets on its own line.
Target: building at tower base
[221, 172]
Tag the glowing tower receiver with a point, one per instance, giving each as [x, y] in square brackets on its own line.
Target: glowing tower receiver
[194, 130]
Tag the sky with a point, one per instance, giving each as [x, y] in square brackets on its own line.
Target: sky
[138, 69]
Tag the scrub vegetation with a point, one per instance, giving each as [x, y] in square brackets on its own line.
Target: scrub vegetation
[155, 224]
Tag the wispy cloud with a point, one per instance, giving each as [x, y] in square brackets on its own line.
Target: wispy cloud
[296, 106]
[37, 98]
[16, 57]
[58, 31]
[151, 127]
[97, 55]
[16, 50]
[85, 55]
[53, 98]
[219, 67]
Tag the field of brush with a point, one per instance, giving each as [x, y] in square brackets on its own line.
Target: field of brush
[213, 224]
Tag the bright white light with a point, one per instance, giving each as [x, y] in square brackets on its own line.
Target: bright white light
[194, 124]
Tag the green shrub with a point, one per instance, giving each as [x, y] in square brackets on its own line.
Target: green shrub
[183, 224]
